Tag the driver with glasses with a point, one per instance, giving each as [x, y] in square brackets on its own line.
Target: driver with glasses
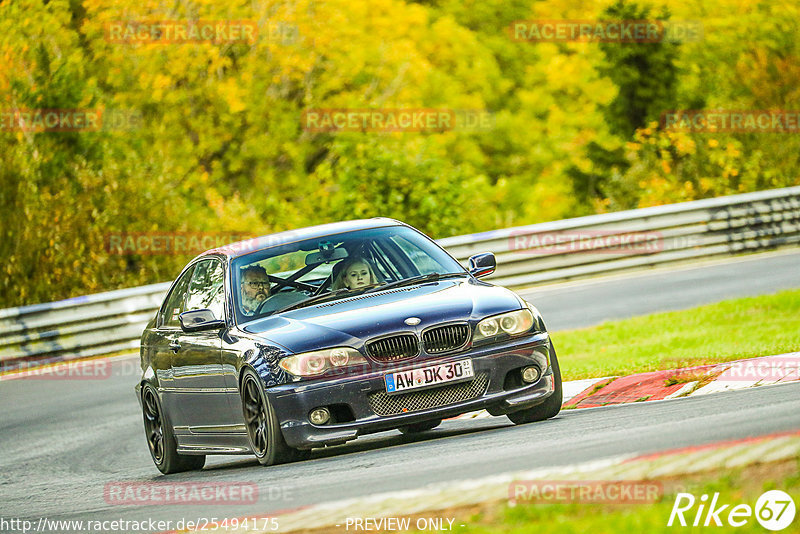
[257, 294]
[255, 288]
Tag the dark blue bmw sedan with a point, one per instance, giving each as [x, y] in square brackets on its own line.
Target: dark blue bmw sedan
[313, 337]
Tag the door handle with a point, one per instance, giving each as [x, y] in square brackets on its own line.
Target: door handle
[174, 346]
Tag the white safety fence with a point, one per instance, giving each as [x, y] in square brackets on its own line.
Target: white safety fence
[528, 255]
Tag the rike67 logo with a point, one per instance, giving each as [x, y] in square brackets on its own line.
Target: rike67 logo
[774, 510]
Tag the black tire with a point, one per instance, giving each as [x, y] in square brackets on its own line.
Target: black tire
[424, 426]
[263, 429]
[161, 440]
[548, 408]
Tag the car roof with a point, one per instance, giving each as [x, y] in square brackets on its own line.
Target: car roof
[240, 248]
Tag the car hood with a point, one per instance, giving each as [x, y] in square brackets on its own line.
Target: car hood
[351, 321]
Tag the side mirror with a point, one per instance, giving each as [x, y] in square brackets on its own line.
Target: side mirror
[482, 264]
[200, 320]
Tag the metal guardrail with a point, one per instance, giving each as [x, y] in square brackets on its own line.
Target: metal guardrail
[111, 322]
[91, 325]
[593, 245]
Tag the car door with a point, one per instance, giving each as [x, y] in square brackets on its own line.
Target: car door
[165, 339]
[199, 385]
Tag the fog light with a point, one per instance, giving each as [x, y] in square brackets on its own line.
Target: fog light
[320, 416]
[530, 374]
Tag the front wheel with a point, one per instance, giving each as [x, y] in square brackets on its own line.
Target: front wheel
[263, 429]
[548, 408]
[161, 440]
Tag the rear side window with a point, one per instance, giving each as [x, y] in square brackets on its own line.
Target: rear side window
[174, 305]
[207, 288]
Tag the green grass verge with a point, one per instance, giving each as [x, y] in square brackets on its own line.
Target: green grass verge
[728, 330]
[742, 486]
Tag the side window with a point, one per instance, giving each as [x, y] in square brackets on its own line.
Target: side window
[207, 288]
[174, 304]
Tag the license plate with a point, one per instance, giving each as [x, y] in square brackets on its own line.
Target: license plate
[428, 376]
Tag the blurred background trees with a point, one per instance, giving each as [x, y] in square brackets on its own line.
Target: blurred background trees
[217, 144]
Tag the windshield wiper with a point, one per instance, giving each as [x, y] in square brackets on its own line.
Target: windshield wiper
[431, 277]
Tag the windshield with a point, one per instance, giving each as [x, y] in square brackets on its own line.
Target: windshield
[334, 266]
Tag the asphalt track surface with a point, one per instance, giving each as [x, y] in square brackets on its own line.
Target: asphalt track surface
[62, 441]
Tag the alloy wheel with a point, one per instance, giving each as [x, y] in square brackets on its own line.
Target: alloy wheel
[154, 425]
[255, 416]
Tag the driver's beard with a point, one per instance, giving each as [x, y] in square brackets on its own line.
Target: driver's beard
[251, 303]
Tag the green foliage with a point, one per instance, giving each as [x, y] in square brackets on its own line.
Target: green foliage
[410, 179]
[646, 77]
[218, 144]
[747, 60]
[644, 73]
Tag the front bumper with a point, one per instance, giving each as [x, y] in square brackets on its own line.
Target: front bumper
[497, 364]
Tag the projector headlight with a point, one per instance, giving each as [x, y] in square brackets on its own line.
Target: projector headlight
[319, 361]
[512, 323]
